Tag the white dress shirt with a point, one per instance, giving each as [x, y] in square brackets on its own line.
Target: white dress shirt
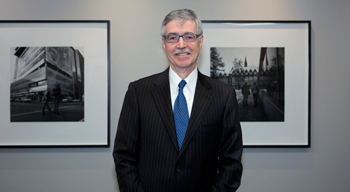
[189, 89]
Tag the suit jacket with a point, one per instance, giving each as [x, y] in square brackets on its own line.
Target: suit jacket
[146, 153]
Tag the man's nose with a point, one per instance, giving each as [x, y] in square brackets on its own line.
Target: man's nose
[181, 43]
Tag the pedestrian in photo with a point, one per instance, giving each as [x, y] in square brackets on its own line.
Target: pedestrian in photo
[255, 92]
[46, 99]
[245, 93]
[57, 94]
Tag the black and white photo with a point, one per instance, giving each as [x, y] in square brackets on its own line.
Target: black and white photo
[257, 75]
[55, 83]
[267, 63]
[47, 84]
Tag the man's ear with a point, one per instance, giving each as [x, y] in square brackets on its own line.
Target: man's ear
[201, 41]
[163, 42]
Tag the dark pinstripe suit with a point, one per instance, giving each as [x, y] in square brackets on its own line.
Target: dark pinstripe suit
[146, 153]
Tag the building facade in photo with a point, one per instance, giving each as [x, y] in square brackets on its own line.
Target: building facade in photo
[37, 69]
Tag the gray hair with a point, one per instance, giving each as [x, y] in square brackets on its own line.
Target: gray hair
[182, 15]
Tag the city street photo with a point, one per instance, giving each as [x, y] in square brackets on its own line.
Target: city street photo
[47, 84]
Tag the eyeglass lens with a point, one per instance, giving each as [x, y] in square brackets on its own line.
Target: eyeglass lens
[186, 38]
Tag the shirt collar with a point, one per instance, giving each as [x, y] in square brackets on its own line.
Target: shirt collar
[191, 80]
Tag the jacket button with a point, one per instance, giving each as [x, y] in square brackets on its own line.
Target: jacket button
[178, 169]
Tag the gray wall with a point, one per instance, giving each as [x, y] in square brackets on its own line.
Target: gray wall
[323, 167]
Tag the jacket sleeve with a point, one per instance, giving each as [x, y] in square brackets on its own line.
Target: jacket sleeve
[126, 144]
[230, 150]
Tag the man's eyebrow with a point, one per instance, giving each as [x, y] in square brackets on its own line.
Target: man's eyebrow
[189, 33]
[178, 34]
[172, 34]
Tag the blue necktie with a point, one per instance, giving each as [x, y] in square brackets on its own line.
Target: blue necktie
[181, 117]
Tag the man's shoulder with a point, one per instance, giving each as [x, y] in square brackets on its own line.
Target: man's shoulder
[151, 79]
[214, 83]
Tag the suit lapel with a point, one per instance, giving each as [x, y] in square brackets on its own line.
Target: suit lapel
[161, 95]
[202, 98]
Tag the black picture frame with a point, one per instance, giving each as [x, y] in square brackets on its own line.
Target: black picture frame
[41, 55]
[292, 130]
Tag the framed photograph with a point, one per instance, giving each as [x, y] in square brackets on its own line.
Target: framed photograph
[54, 83]
[268, 64]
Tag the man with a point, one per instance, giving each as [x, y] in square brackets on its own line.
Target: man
[245, 92]
[184, 138]
[46, 99]
[57, 94]
[255, 91]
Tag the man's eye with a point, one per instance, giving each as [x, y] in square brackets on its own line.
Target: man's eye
[172, 37]
[189, 37]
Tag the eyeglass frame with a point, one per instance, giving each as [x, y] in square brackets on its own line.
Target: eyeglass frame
[196, 37]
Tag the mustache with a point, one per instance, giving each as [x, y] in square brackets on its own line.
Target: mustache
[177, 51]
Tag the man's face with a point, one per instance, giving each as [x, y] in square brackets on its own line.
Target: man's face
[182, 55]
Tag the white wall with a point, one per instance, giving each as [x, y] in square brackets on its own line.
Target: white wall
[136, 51]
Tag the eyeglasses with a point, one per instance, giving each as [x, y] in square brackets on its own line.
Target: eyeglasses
[172, 38]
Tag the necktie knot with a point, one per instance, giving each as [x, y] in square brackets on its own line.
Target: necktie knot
[182, 84]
